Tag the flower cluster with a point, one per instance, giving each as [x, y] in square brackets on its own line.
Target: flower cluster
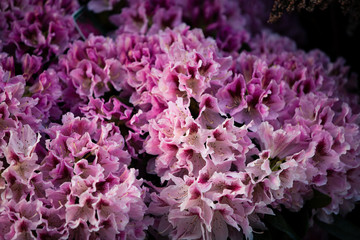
[275, 132]
[81, 188]
[35, 31]
[163, 128]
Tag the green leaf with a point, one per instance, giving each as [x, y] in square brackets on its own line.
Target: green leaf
[279, 222]
[319, 200]
[299, 221]
[262, 236]
[341, 228]
[78, 13]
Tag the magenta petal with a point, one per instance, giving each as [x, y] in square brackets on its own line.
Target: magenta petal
[79, 230]
[83, 211]
[233, 96]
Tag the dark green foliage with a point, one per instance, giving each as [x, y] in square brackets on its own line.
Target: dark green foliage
[341, 229]
[319, 200]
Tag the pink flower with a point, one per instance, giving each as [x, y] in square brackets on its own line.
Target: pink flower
[233, 95]
[22, 143]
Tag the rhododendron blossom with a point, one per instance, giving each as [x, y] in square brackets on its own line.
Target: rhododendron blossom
[189, 120]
